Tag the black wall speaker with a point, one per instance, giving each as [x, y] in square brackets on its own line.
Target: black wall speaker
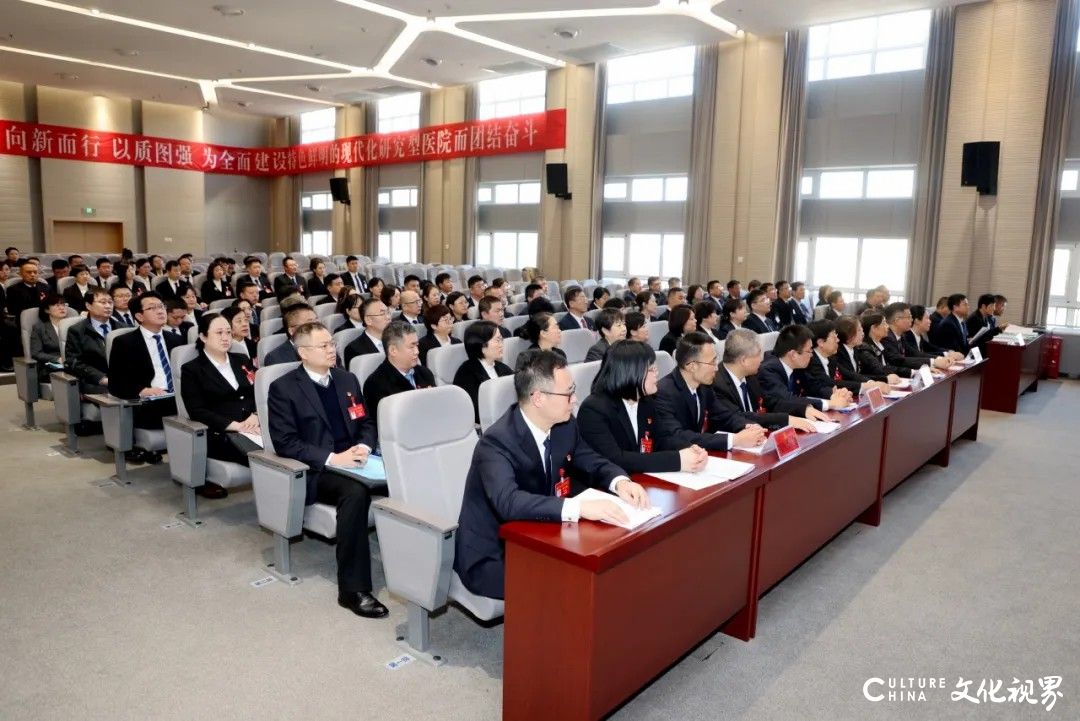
[339, 188]
[557, 183]
[980, 167]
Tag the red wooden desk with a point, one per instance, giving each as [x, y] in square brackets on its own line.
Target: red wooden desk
[594, 612]
[1012, 370]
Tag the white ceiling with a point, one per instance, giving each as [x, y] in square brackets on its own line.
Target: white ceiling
[283, 56]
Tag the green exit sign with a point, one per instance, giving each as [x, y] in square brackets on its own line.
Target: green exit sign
[89, 212]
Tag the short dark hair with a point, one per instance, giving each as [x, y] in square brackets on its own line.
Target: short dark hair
[387, 294]
[284, 260]
[918, 312]
[59, 264]
[101, 261]
[847, 328]
[894, 309]
[571, 294]
[347, 302]
[175, 304]
[484, 306]
[710, 285]
[96, 290]
[617, 303]
[47, 302]
[535, 369]
[780, 285]
[314, 263]
[368, 302]
[116, 288]
[305, 330]
[540, 304]
[441, 277]
[410, 278]
[986, 299]
[623, 371]
[475, 279]
[537, 324]
[653, 279]
[396, 331]
[954, 300]
[351, 258]
[250, 260]
[477, 336]
[753, 285]
[677, 319]
[796, 285]
[135, 307]
[733, 284]
[169, 265]
[703, 309]
[689, 348]
[642, 299]
[673, 290]
[453, 298]
[731, 305]
[532, 288]
[375, 281]
[834, 296]
[1000, 299]
[498, 282]
[330, 278]
[291, 312]
[598, 292]
[71, 258]
[634, 320]
[792, 337]
[821, 329]
[189, 256]
[869, 319]
[606, 318]
[753, 296]
[434, 314]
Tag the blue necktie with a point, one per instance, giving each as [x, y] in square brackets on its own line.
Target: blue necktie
[411, 376]
[104, 329]
[164, 358]
[791, 383]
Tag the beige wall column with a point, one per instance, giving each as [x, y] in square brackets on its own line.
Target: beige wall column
[16, 227]
[347, 222]
[284, 196]
[442, 238]
[174, 199]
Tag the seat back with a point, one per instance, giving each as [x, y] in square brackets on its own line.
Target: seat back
[583, 375]
[768, 340]
[576, 343]
[819, 312]
[458, 331]
[345, 337]
[177, 359]
[266, 345]
[27, 320]
[220, 304]
[268, 312]
[65, 325]
[264, 377]
[427, 441]
[664, 363]
[113, 335]
[514, 322]
[444, 362]
[324, 309]
[64, 283]
[512, 348]
[495, 396]
[270, 327]
[364, 365]
[657, 330]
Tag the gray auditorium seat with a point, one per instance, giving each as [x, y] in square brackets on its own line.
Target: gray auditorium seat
[583, 375]
[270, 327]
[445, 361]
[427, 441]
[512, 348]
[364, 365]
[343, 338]
[664, 363]
[657, 330]
[495, 396]
[30, 385]
[267, 344]
[70, 407]
[768, 340]
[576, 343]
[458, 330]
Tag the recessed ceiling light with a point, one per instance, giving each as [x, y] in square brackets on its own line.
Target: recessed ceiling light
[244, 103]
[315, 88]
[126, 53]
[433, 62]
[566, 33]
[252, 45]
[67, 76]
[228, 11]
[95, 11]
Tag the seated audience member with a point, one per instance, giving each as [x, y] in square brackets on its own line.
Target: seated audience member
[898, 316]
[871, 353]
[216, 286]
[577, 303]
[255, 276]
[439, 321]
[491, 308]
[75, 294]
[526, 467]
[290, 279]
[646, 304]
[400, 370]
[849, 332]
[714, 291]
[139, 369]
[84, 351]
[543, 333]
[785, 308]
[633, 287]
[687, 411]
[837, 305]
[477, 288]
[349, 306]
[125, 278]
[759, 319]
[617, 303]
[680, 321]
[612, 329]
[237, 316]
[736, 311]
[770, 290]
[654, 288]
[293, 317]
[637, 327]
[539, 304]
[707, 318]
[105, 272]
[391, 298]
[375, 287]
[186, 273]
[27, 294]
[617, 418]
[121, 298]
[951, 332]
[157, 266]
[218, 388]
[822, 373]
[676, 298]
[533, 291]
[600, 295]
[458, 305]
[319, 416]
[1000, 302]
[176, 320]
[429, 293]
[60, 269]
[484, 348]
[352, 275]
[411, 282]
[783, 373]
[875, 300]
[734, 289]
[694, 294]
[983, 318]
[250, 294]
[173, 285]
[823, 296]
[445, 284]
[316, 284]
[376, 318]
[410, 307]
[798, 294]
[737, 387]
[45, 335]
[144, 274]
[917, 340]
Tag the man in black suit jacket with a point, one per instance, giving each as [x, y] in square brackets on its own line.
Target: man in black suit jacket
[375, 317]
[759, 320]
[400, 371]
[687, 411]
[783, 374]
[493, 309]
[84, 350]
[896, 352]
[785, 309]
[27, 294]
[352, 275]
[917, 338]
[823, 374]
[577, 304]
[984, 317]
[173, 286]
[319, 416]
[526, 467]
[291, 278]
[952, 332]
[254, 276]
[295, 316]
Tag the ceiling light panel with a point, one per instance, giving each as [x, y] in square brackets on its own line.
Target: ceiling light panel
[454, 8]
[465, 59]
[271, 105]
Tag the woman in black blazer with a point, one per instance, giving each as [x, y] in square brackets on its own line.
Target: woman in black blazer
[216, 287]
[317, 283]
[617, 419]
[735, 314]
[241, 330]
[543, 333]
[225, 404]
[349, 306]
[45, 335]
[870, 354]
[484, 347]
[439, 321]
[681, 321]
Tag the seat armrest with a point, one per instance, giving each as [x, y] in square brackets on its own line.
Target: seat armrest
[117, 420]
[185, 424]
[186, 442]
[280, 486]
[417, 550]
[107, 400]
[395, 507]
[66, 397]
[277, 462]
[26, 379]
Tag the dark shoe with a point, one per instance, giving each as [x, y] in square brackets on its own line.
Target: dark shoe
[87, 428]
[151, 457]
[211, 490]
[134, 456]
[363, 604]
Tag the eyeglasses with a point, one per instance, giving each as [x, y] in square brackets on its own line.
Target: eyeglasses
[378, 315]
[156, 306]
[571, 394]
[319, 346]
[715, 362]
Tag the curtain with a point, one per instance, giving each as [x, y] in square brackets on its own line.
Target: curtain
[599, 159]
[421, 241]
[696, 253]
[472, 178]
[931, 169]
[1055, 137]
[370, 243]
[792, 126]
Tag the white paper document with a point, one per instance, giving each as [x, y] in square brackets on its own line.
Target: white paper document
[846, 409]
[257, 440]
[716, 471]
[896, 395]
[902, 383]
[825, 426]
[1014, 329]
[637, 516]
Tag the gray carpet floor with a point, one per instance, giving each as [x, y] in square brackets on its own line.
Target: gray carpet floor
[108, 610]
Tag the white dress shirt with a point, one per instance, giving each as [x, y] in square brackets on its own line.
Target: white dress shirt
[489, 368]
[631, 410]
[376, 341]
[823, 401]
[159, 380]
[738, 388]
[225, 369]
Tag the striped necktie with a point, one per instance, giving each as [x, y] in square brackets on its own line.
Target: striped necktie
[164, 358]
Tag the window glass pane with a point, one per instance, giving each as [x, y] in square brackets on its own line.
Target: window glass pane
[529, 193]
[414, 196]
[806, 187]
[884, 262]
[504, 250]
[620, 94]
[399, 197]
[648, 66]
[644, 254]
[483, 249]
[904, 29]
[506, 193]
[1059, 272]
[507, 108]
[384, 198]
[802, 258]
[527, 250]
[483, 195]
[614, 254]
[890, 183]
[305, 243]
[532, 105]
[675, 188]
[680, 87]
[834, 261]
[317, 126]
[647, 189]
[305, 202]
[400, 112]
[1069, 179]
[321, 201]
[614, 191]
[384, 245]
[673, 255]
[819, 38]
[650, 90]
[401, 246]
[815, 70]
[894, 61]
[847, 66]
[852, 36]
[1057, 316]
[841, 184]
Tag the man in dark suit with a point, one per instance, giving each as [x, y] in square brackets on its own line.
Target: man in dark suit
[376, 318]
[941, 311]
[952, 332]
[783, 373]
[737, 387]
[139, 368]
[352, 275]
[917, 338]
[295, 316]
[633, 287]
[400, 371]
[526, 467]
[290, 279]
[60, 269]
[84, 350]
[715, 291]
[984, 318]
[477, 289]
[121, 298]
[759, 319]
[493, 309]
[10, 343]
[173, 286]
[577, 303]
[785, 309]
[319, 416]
[27, 294]
[676, 296]
[254, 276]
[823, 374]
[895, 351]
[687, 411]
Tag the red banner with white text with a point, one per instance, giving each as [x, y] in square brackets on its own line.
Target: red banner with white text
[501, 136]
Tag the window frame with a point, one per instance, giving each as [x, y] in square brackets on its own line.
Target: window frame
[398, 121]
[1069, 303]
[624, 273]
[622, 91]
[850, 293]
[817, 67]
[492, 100]
[488, 236]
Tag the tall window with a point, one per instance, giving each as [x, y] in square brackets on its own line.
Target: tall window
[507, 249]
[871, 46]
[318, 126]
[316, 242]
[1065, 286]
[399, 197]
[671, 188]
[651, 76]
[512, 95]
[848, 184]
[524, 193]
[642, 254]
[398, 245]
[400, 112]
[853, 265]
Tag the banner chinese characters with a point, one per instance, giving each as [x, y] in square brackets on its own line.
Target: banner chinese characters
[501, 136]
